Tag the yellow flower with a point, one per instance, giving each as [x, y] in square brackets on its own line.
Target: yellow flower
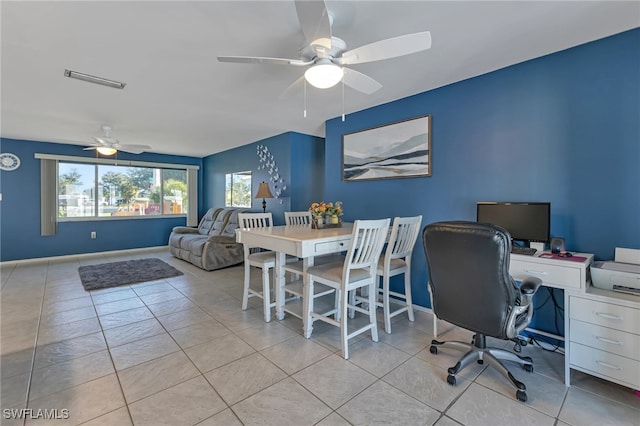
[326, 209]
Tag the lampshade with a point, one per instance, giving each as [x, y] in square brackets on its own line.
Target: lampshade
[105, 150]
[264, 191]
[324, 75]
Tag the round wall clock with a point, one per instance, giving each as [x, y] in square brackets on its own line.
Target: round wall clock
[9, 162]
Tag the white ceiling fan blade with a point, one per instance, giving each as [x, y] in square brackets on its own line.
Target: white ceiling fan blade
[388, 48]
[315, 21]
[90, 148]
[361, 82]
[132, 148]
[261, 60]
[293, 87]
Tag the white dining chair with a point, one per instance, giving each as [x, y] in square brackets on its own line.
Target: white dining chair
[357, 271]
[297, 218]
[265, 260]
[396, 261]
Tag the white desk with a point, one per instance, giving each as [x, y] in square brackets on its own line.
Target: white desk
[565, 274]
[601, 327]
[300, 241]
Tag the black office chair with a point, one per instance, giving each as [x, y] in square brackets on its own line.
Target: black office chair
[471, 287]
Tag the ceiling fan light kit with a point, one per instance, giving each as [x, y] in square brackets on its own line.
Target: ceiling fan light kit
[324, 75]
[105, 150]
[93, 79]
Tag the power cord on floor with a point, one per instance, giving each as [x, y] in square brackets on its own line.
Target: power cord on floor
[520, 341]
[558, 313]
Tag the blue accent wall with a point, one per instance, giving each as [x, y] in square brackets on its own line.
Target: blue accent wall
[562, 128]
[300, 161]
[20, 210]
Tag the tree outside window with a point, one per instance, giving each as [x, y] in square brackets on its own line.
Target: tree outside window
[238, 189]
[121, 191]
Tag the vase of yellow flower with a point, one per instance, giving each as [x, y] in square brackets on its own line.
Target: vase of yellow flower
[326, 215]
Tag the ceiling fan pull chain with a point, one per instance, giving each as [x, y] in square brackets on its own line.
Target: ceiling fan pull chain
[343, 101]
[305, 99]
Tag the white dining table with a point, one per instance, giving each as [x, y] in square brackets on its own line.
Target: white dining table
[300, 241]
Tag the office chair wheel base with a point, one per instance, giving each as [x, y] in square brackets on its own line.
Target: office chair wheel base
[433, 350]
[451, 379]
[521, 396]
[528, 368]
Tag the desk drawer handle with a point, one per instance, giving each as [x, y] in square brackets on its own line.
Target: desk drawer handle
[604, 339]
[606, 364]
[533, 271]
[608, 316]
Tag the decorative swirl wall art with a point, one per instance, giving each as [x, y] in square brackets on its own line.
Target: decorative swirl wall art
[267, 163]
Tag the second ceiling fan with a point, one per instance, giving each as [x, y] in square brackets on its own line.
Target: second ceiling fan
[109, 145]
[326, 55]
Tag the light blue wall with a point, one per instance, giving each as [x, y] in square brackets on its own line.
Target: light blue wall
[562, 128]
[20, 210]
[300, 161]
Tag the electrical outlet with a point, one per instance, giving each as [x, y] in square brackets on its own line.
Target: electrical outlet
[93, 235]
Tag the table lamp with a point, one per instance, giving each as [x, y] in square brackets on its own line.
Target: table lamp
[264, 192]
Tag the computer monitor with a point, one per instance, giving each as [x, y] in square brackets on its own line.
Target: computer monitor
[527, 222]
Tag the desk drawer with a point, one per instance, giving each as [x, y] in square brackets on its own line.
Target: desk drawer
[332, 246]
[552, 275]
[606, 339]
[621, 369]
[605, 314]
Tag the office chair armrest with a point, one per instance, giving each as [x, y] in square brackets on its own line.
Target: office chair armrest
[530, 285]
[528, 288]
[515, 323]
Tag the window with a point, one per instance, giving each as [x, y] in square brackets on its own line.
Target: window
[106, 190]
[238, 189]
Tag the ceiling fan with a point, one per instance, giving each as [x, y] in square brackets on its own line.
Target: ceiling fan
[326, 55]
[108, 145]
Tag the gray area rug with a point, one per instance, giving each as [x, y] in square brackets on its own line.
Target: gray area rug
[128, 272]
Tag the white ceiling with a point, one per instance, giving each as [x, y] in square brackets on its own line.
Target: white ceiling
[180, 100]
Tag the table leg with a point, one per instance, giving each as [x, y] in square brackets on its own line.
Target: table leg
[279, 284]
[567, 339]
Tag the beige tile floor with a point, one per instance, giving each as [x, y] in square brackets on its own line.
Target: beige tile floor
[180, 351]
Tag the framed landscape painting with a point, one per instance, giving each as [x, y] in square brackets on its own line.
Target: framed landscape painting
[397, 150]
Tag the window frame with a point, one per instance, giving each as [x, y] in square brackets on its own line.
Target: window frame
[191, 176]
[243, 172]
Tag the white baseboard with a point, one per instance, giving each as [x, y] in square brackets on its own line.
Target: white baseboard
[81, 255]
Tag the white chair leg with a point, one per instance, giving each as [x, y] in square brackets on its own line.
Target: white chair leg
[385, 304]
[266, 295]
[372, 311]
[247, 282]
[352, 301]
[343, 324]
[307, 303]
[407, 294]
